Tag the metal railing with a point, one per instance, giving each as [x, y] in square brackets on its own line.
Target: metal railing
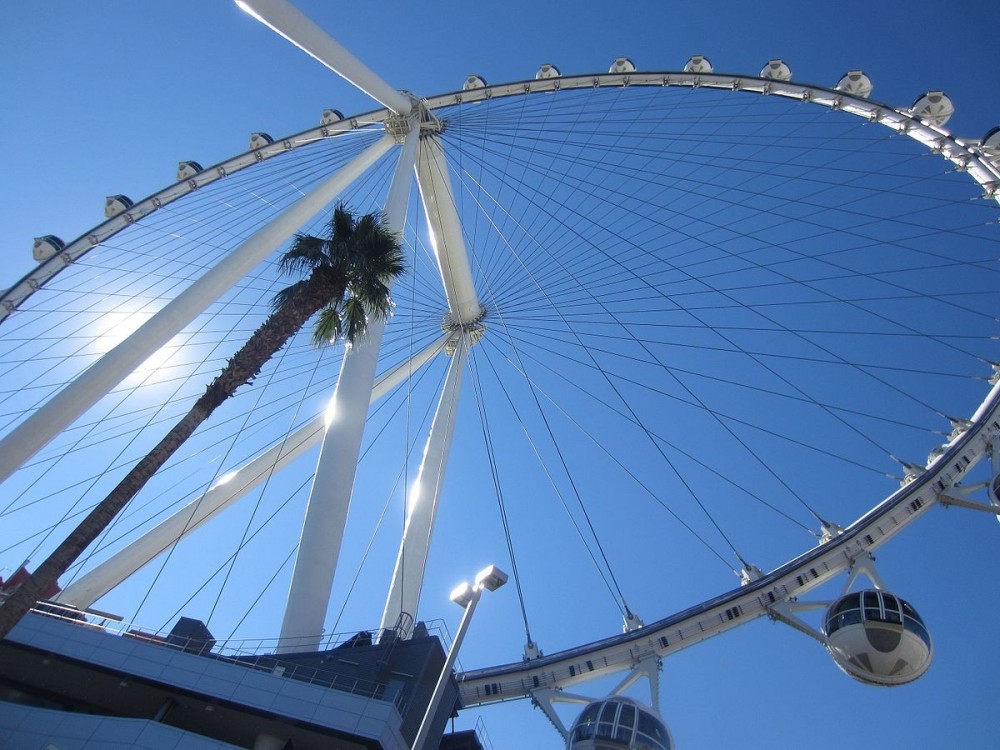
[258, 654]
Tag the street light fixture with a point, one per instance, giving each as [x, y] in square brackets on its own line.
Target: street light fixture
[467, 597]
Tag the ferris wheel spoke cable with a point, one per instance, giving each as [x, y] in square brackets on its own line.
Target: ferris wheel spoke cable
[100, 541]
[135, 618]
[921, 227]
[673, 446]
[852, 272]
[617, 461]
[604, 571]
[548, 335]
[657, 446]
[620, 398]
[498, 489]
[586, 219]
[262, 489]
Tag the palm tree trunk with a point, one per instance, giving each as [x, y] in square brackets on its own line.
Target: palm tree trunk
[322, 286]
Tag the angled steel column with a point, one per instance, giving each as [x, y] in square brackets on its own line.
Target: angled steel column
[288, 21]
[411, 561]
[94, 383]
[326, 513]
[89, 588]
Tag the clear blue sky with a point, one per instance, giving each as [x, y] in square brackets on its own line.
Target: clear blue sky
[102, 98]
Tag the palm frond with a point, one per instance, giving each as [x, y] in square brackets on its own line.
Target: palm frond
[356, 322]
[305, 253]
[329, 326]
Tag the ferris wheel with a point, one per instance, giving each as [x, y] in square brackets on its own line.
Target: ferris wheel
[647, 315]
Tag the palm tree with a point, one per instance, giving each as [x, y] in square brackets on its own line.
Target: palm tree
[350, 275]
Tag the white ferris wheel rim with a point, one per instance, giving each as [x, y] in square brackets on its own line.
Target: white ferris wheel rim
[798, 576]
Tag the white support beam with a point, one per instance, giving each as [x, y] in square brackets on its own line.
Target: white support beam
[330, 498]
[288, 21]
[87, 589]
[94, 383]
[411, 561]
[446, 232]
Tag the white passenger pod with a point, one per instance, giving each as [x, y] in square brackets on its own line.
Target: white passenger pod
[991, 144]
[934, 108]
[330, 116]
[622, 65]
[187, 169]
[259, 140]
[698, 64]
[116, 204]
[473, 82]
[776, 70]
[877, 638]
[619, 722]
[856, 83]
[46, 246]
[547, 71]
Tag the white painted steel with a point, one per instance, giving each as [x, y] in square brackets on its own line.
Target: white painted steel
[411, 561]
[296, 27]
[793, 579]
[964, 154]
[446, 231]
[330, 498]
[72, 401]
[87, 589]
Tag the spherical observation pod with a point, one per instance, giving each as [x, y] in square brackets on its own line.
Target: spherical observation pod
[188, 169]
[116, 204]
[776, 70]
[259, 140]
[855, 82]
[46, 246]
[934, 108]
[622, 65]
[547, 71]
[619, 723]
[877, 638]
[698, 64]
[473, 82]
[331, 116]
[991, 143]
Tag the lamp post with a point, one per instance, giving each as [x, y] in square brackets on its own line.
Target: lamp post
[466, 596]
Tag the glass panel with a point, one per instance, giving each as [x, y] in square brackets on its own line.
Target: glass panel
[645, 743]
[589, 713]
[909, 611]
[610, 708]
[583, 732]
[605, 730]
[871, 600]
[851, 601]
[627, 716]
[651, 726]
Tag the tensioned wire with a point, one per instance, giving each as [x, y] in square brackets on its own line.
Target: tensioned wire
[813, 108]
[477, 188]
[603, 564]
[228, 334]
[138, 245]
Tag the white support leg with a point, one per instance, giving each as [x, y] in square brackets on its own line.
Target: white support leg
[408, 577]
[446, 232]
[326, 513]
[72, 401]
[87, 589]
[287, 20]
